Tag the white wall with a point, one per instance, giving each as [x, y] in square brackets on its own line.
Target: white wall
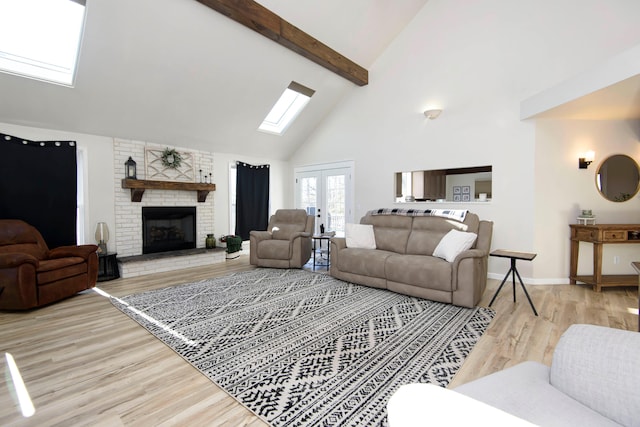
[563, 191]
[98, 151]
[477, 61]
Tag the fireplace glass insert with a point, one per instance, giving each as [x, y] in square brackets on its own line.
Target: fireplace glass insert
[167, 229]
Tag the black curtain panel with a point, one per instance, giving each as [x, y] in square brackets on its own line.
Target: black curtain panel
[252, 198]
[38, 185]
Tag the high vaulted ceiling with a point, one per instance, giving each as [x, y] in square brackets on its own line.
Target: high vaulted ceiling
[176, 72]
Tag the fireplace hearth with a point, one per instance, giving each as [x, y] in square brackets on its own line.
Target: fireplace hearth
[168, 228]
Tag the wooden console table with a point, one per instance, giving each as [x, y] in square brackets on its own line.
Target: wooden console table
[599, 235]
[636, 266]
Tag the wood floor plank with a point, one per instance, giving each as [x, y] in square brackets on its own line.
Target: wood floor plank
[87, 364]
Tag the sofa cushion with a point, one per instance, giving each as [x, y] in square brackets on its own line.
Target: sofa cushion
[286, 223]
[274, 249]
[366, 262]
[419, 270]
[391, 231]
[426, 232]
[360, 236]
[51, 270]
[453, 244]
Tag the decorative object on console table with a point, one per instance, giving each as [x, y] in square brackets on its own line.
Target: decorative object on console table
[586, 217]
[600, 235]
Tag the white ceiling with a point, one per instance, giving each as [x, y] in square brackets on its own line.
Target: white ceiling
[178, 73]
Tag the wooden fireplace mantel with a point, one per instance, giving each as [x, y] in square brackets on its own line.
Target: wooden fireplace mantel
[138, 186]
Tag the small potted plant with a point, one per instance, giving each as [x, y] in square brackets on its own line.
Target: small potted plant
[234, 244]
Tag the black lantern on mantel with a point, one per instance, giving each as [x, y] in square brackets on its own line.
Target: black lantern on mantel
[130, 169]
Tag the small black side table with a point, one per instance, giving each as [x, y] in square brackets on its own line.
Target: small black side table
[107, 266]
[320, 238]
[513, 256]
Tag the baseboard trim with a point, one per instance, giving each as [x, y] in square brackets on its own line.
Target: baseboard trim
[531, 281]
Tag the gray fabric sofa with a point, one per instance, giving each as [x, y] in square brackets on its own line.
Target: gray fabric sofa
[403, 261]
[287, 241]
[593, 381]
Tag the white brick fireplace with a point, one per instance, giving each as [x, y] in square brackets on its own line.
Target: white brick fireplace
[128, 214]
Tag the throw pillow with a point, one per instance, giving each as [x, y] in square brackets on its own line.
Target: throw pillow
[360, 236]
[453, 243]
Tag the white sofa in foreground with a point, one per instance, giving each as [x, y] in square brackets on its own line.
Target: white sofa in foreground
[594, 380]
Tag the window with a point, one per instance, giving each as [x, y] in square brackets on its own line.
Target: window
[41, 38]
[294, 98]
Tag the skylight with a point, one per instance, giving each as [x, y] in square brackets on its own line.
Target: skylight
[41, 38]
[294, 98]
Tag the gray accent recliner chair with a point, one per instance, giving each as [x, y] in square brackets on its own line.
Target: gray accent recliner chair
[287, 241]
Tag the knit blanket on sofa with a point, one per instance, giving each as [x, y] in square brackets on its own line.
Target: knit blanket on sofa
[457, 214]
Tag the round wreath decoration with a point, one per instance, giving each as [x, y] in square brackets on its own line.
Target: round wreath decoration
[171, 158]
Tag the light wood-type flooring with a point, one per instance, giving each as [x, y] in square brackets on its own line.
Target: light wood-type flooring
[87, 364]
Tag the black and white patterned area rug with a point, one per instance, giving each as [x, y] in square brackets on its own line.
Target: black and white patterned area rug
[304, 349]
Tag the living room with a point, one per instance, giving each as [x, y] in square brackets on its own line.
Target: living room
[479, 62]
[380, 127]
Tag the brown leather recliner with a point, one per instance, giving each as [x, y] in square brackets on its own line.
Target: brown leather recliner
[287, 241]
[31, 275]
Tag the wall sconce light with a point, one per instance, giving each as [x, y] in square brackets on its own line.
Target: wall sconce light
[432, 114]
[130, 169]
[102, 236]
[584, 162]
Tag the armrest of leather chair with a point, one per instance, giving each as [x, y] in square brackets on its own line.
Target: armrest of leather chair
[83, 251]
[18, 281]
[14, 259]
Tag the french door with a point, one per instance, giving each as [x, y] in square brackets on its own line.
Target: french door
[326, 191]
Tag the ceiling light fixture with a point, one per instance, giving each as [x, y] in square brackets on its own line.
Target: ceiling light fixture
[432, 114]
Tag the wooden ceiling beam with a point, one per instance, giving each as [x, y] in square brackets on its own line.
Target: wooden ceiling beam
[261, 20]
